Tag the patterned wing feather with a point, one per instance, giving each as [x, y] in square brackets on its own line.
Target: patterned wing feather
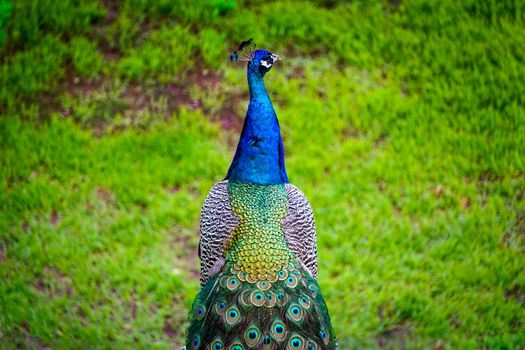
[217, 224]
[299, 229]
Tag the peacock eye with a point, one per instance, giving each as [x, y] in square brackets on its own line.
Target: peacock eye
[266, 63]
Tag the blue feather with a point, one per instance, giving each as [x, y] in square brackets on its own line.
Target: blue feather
[259, 158]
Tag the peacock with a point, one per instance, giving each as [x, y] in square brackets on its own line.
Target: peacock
[258, 246]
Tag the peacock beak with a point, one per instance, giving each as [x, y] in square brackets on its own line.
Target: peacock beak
[275, 57]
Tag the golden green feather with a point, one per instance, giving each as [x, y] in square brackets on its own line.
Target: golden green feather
[261, 210]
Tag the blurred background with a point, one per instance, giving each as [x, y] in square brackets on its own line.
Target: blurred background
[403, 123]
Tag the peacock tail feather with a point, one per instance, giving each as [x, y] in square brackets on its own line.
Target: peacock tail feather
[262, 298]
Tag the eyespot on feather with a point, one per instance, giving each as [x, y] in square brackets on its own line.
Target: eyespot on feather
[236, 346]
[232, 316]
[232, 284]
[267, 342]
[278, 330]
[217, 344]
[295, 313]
[305, 301]
[312, 346]
[220, 307]
[324, 336]
[195, 343]
[313, 290]
[296, 342]
[200, 312]
[282, 298]
[264, 285]
[242, 276]
[252, 336]
[244, 298]
[223, 281]
[257, 298]
[291, 281]
[283, 274]
[271, 299]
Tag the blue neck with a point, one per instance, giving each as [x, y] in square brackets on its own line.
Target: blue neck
[259, 158]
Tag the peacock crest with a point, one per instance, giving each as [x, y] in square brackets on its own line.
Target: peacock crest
[244, 52]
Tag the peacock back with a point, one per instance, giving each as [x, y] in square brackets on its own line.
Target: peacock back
[263, 296]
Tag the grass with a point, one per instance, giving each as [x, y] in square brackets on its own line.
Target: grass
[403, 123]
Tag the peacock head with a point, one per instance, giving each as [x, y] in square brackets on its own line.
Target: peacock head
[259, 61]
[262, 61]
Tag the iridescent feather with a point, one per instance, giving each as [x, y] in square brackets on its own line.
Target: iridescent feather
[259, 290]
[242, 308]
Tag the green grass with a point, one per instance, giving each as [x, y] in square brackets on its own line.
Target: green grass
[403, 122]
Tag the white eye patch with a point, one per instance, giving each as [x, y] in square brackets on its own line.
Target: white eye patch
[266, 63]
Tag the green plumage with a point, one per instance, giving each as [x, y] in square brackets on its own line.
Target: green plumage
[261, 299]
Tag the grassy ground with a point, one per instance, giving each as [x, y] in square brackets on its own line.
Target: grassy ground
[403, 121]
